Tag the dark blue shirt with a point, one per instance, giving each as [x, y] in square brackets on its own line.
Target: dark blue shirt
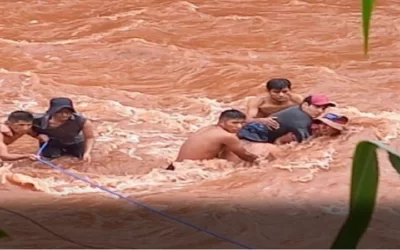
[70, 132]
[293, 120]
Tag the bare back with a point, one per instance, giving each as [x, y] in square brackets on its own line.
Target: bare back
[205, 144]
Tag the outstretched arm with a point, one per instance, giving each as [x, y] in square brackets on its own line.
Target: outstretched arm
[233, 144]
[6, 156]
[89, 137]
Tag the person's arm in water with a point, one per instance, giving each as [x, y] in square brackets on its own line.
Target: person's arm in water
[234, 145]
[89, 139]
[6, 156]
[301, 134]
[287, 138]
[252, 112]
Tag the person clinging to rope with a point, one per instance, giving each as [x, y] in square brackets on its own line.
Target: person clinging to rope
[18, 124]
[65, 131]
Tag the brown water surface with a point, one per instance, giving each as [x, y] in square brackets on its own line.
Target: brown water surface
[150, 72]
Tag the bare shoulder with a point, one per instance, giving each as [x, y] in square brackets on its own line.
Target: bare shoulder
[229, 138]
[255, 101]
[297, 98]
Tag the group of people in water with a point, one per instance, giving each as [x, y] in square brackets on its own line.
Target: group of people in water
[277, 117]
[64, 131]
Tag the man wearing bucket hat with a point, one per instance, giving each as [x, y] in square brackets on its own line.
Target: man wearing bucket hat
[67, 132]
[330, 124]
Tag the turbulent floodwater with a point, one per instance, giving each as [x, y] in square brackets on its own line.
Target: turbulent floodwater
[150, 72]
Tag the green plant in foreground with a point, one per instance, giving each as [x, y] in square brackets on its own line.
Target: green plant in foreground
[3, 234]
[367, 8]
[364, 188]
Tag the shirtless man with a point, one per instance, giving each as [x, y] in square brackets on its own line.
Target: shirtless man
[278, 97]
[209, 142]
[18, 123]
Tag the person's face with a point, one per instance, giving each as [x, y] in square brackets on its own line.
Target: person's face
[20, 127]
[63, 115]
[280, 95]
[313, 110]
[233, 125]
[325, 130]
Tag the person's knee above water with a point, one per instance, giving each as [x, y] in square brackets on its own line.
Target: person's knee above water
[208, 142]
[330, 124]
[297, 119]
[18, 124]
[278, 97]
[67, 132]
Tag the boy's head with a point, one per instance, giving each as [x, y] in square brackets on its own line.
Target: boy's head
[279, 88]
[20, 122]
[331, 124]
[232, 120]
[315, 105]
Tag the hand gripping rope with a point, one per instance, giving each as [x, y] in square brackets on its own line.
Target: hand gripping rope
[133, 201]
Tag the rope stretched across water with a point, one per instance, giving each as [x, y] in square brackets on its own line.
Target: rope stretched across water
[133, 201]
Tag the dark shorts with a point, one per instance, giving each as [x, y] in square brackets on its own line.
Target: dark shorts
[254, 132]
[55, 150]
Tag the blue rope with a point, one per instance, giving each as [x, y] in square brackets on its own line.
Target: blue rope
[132, 201]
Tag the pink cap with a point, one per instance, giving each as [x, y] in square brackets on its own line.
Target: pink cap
[321, 100]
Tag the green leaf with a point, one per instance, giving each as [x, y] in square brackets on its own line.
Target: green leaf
[3, 234]
[367, 8]
[364, 188]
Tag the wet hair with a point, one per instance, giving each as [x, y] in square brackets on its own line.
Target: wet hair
[278, 83]
[20, 115]
[307, 100]
[232, 114]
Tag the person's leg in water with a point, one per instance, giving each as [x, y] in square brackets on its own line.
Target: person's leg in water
[52, 150]
[76, 150]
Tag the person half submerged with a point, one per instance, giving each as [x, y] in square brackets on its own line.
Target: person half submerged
[67, 132]
[330, 124]
[18, 124]
[209, 142]
[279, 96]
[297, 120]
